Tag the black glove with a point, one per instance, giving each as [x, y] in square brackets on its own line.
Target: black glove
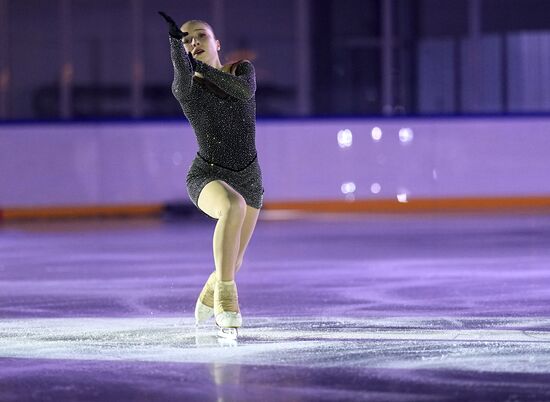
[174, 31]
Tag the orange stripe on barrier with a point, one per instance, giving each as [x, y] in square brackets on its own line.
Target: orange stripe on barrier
[416, 205]
[81, 212]
[526, 204]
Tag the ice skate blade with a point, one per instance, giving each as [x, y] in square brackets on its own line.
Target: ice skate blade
[230, 334]
[202, 312]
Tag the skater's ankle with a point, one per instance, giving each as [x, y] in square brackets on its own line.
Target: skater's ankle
[225, 278]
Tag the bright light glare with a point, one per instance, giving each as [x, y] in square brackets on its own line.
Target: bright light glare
[406, 135]
[402, 197]
[345, 138]
[376, 133]
[375, 188]
[348, 188]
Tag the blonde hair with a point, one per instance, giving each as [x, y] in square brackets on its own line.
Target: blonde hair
[200, 22]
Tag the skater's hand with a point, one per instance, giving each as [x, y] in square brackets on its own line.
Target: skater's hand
[174, 31]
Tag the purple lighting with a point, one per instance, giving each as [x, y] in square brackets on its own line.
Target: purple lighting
[359, 307]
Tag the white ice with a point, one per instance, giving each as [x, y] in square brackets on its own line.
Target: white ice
[500, 345]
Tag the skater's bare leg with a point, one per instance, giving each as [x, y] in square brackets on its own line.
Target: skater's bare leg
[249, 224]
[226, 305]
[204, 308]
[220, 201]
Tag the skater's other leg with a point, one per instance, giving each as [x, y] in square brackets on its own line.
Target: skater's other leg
[246, 233]
[204, 308]
[226, 304]
[220, 201]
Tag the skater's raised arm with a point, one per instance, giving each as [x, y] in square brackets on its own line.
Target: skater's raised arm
[242, 85]
[183, 70]
[183, 65]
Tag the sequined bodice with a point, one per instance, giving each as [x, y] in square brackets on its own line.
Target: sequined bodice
[220, 107]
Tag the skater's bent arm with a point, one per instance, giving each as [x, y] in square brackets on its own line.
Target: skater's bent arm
[183, 71]
[242, 85]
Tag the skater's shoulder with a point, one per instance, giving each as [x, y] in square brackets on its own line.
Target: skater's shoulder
[232, 67]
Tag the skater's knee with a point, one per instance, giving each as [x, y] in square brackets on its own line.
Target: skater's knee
[233, 206]
[218, 200]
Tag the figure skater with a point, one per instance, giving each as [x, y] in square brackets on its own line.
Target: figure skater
[224, 180]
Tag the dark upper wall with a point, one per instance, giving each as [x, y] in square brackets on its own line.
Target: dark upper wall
[101, 43]
[345, 44]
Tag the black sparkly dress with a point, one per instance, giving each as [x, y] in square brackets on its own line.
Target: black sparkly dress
[221, 108]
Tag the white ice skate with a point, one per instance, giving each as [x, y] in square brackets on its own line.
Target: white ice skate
[202, 312]
[227, 323]
[226, 308]
[204, 308]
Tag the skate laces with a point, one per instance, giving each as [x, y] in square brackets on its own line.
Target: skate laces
[207, 294]
[226, 297]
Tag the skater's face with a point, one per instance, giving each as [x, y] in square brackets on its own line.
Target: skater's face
[200, 41]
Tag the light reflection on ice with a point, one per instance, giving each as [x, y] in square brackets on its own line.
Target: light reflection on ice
[481, 344]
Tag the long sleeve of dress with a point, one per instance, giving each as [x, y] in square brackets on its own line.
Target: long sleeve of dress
[242, 85]
[183, 71]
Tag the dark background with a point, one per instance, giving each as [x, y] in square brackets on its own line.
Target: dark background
[80, 59]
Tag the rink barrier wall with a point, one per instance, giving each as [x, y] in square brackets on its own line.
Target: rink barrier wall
[138, 168]
[482, 205]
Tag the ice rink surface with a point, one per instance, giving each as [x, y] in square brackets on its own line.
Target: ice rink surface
[416, 307]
